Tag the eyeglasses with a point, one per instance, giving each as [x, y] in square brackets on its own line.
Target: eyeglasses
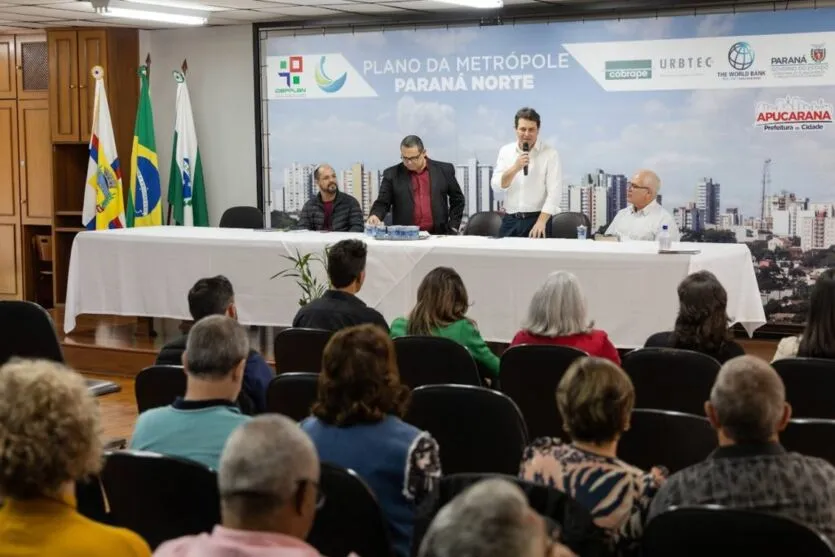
[634, 186]
[414, 159]
[320, 495]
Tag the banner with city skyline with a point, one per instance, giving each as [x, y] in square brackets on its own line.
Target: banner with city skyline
[725, 108]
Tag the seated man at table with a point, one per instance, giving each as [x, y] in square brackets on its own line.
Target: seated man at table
[330, 209]
[215, 296]
[339, 307]
[197, 425]
[643, 217]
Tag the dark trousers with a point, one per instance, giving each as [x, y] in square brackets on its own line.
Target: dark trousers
[517, 224]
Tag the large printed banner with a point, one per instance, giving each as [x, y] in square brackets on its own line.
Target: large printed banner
[734, 112]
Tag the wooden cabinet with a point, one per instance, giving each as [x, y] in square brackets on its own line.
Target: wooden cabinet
[10, 264]
[35, 152]
[32, 61]
[92, 52]
[63, 85]
[8, 74]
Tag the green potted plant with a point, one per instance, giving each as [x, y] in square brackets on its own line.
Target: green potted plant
[307, 280]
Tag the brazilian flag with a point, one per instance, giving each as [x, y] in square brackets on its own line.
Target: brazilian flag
[144, 206]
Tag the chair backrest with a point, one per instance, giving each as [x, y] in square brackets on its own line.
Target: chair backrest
[28, 332]
[89, 496]
[299, 349]
[160, 497]
[805, 379]
[671, 378]
[484, 223]
[810, 437]
[529, 374]
[351, 519]
[666, 438]
[564, 225]
[715, 530]
[242, 217]
[158, 386]
[428, 360]
[292, 394]
[478, 429]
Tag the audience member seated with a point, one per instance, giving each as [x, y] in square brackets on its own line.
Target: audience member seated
[340, 307]
[818, 338]
[357, 424]
[750, 469]
[196, 426]
[214, 296]
[702, 322]
[595, 399]
[441, 310]
[557, 315]
[269, 492]
[490, 519]
[49, 439]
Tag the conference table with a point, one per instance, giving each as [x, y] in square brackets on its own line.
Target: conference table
[629, 286]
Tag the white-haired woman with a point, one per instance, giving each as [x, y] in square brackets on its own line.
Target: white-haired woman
[557, 315]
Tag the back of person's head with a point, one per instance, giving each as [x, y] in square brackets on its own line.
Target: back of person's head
[269, 476]
[748, 401]
[702, 322]
[818, 340]
[595, 398]
[558, 308]
[489, 519]
[359, 382]
[211, 296]
[441, 300]
[346, 263]
[49, 429]
[217, 347]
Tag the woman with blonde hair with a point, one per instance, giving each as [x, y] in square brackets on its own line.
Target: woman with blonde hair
[441, 310]
[595, 398]
[49, 439]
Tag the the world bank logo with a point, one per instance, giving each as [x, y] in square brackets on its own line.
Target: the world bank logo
[324, 82]
[741, 56]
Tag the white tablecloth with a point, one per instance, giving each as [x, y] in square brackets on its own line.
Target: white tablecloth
[631, 289]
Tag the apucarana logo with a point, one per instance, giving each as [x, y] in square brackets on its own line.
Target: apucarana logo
[628, 69]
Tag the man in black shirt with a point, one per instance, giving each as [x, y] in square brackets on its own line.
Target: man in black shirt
[339, 307]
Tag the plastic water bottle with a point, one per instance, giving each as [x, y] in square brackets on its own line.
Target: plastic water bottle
[581, 232]
[664, 241]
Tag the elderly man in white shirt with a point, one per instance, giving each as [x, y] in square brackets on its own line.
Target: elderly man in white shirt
[530, 174]
[643, 217]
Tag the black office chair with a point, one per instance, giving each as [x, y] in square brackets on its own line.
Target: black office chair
[242, 217]
[715, 530]
[160, 497]
[529, 374]
[158, 386]
[299, 349]
[671, 378]
[478, 429]
[805, 379]
[292, 394]
[428, 360]
[564, 225]
[810, 437]
[351, 519]
[665, 438]
[29, 332]
[89, 497]
[484, 223]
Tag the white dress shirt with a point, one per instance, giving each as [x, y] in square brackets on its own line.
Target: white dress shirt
[540, 190]
[645, 224]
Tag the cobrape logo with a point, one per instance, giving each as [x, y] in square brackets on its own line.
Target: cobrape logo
[629, 69]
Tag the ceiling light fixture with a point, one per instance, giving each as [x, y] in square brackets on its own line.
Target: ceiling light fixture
[177, 4]
[160, 17]
[479, 4]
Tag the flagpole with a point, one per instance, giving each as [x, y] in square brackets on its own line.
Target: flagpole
[184, 68]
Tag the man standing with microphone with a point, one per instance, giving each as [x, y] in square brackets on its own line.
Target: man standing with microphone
[530, 174]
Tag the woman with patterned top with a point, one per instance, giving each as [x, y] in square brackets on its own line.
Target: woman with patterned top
[357, 424]
[595, 398]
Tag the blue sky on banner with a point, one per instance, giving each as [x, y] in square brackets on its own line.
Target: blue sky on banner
[684, 135]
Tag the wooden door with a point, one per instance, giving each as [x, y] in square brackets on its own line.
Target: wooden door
[8, 75]
[10, 261]
[35, 150]
[92, 51]
[31, 53]
[63, 86]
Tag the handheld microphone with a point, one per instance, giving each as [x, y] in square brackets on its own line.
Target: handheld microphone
[525, 148]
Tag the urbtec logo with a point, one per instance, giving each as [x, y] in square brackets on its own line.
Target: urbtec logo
[793, 114]
[324, 82]
[628, 69]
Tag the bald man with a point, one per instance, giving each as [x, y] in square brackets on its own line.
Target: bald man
[331, 209]
[643, 217]
[750, 469]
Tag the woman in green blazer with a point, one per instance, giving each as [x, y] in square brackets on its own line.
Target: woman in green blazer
[441, 310]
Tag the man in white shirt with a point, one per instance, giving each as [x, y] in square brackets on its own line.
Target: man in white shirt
[643, 217]
[530, 174]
